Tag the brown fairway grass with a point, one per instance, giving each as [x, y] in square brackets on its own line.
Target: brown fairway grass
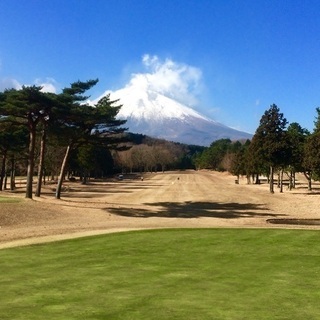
[189, 199]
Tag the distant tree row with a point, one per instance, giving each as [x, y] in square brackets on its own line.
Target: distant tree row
[58, 136]
[152, 155]
[50, 134]
[48, 128]
[275, 147]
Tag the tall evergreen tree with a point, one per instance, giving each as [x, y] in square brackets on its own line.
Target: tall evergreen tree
[86, 124]
[296, 136]
[26, 107]
[239, 163]
[317, 121]
[13, 140]
[311, 159]
[268, 142]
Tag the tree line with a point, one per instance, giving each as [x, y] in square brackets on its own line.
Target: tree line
[59, 136]
[148, 154]
[48, 134]
[33, 122]
[276, 147]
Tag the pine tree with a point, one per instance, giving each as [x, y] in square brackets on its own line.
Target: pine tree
[269, 142]
[296, 136]
[27, 107]
[83, 123]
[311, 160]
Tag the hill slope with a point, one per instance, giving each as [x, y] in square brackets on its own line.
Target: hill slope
[151, 113]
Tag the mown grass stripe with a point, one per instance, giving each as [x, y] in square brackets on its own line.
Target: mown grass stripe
[165, 274]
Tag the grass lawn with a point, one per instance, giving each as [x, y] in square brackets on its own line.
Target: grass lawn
[166, 274]
[9, 200]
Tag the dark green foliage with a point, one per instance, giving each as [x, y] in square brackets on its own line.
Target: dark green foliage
[13, 140]
[68, 121]
[317, 121]
[269, 145]
[86, 124]
[312, 153]
[93, 161]
[268, 142]
[240, 160]
[26, 106]
[64, 119]
[29, 107]
[273, 146]
[219, 156]
[136, 138]
[296, 136]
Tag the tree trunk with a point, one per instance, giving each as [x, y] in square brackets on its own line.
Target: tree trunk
[294, 179]
[85, 177]
[41, 162]
[5, 181]
[281, 180]
[3, 170]
[12, 175]
[62, 172]
[308, 177]
[291, 179]
[30, 169]
[271, 180]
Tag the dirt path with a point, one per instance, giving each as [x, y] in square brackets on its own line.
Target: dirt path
[165, 200]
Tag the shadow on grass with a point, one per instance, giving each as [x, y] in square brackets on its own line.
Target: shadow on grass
[95, 190]
[305, 222]
[195, 210]
[309, 193]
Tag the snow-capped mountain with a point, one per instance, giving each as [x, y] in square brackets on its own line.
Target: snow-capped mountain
[154, 114]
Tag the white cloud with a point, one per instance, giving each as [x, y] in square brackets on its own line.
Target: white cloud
[8, 83]
[179, 81]
[49, 85]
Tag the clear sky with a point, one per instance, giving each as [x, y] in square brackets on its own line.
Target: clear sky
[230, 59]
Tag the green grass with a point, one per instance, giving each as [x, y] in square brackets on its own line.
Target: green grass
[166, 274]
[9, 200]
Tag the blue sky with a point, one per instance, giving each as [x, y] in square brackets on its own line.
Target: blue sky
[232, 58]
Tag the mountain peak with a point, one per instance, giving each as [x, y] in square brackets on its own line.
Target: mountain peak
[150, 105]
[152, 113]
